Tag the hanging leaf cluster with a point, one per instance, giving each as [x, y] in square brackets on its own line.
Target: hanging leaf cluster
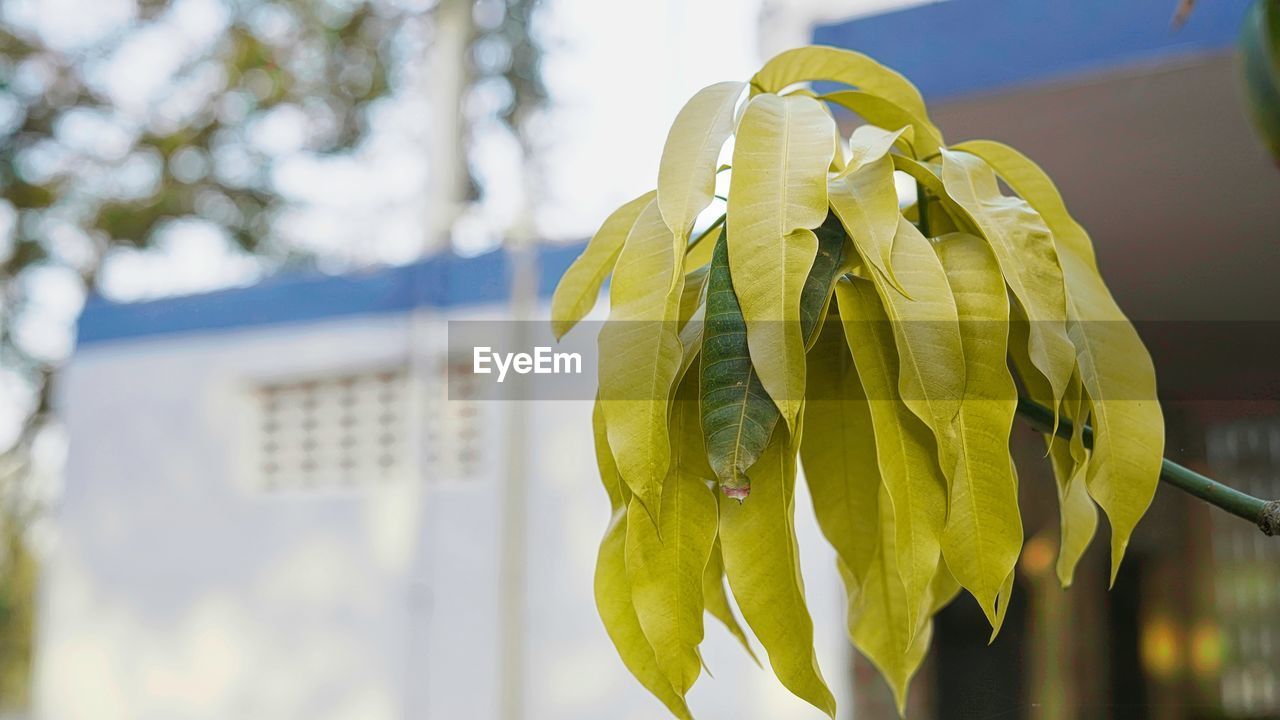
[824, 324]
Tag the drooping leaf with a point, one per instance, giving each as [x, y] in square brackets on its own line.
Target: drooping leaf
[867, 204]
[878, 110]
[778, 195]
[983, 534]
[687, 172]
[641, 355]
[1028, 259]
[579, 288]
[693, 294]
[1032, 184]
[838, 452]
[809, 64]
[926, 329]
[717, 600]
[738, 416]
[1114, 365]
[905, 449]
[879, 626]
[1078, 518]
[762, 562]
[831, 261]
[613, 589]
[699, 254]
[869, 143]
[665, 563]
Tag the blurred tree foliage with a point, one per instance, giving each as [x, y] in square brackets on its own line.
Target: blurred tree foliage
[328, 60]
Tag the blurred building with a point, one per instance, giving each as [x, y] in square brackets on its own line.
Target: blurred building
[1144, 128]
[277, 507]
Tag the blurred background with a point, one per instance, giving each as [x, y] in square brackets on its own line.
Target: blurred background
[236, 480]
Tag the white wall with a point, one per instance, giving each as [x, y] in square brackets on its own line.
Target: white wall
[176, 590]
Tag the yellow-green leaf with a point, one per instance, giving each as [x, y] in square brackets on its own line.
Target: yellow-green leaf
[1114, 365]
[641, 355]
[699, 254]
[1028, 259]
[613, 590]
[878, 110]
[818, 62]
[1030, 182]
[905, 449]
[778, 195]
[1078, 518]
[665, 562]
[717, 600]
[579, 287]
[762, 562]
[868, 144]
[926, 329]
[983, 534]
[687, 172]
[867, 204]
[838, 452]
[879, 625]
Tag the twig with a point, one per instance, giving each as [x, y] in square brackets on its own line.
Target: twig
[1265, 514]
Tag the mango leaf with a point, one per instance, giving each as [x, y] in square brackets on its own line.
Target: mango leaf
[905, 453]
[879, 626]
[833, 259]
[699, 253]
[953, 217]
[1078, 518]
[808, 64]
[925, 139]
[1114, 365]
[838, 452]
[737, 415]
[866, 202]
[869, 143]
[693, 294]
[778, 195]
[717, 600]
[665, 562]
[687, 172]
[926, 329]
[641, 355]
[579, 288]
[983, 534]
[762, 562]
[1026, 179]
[1028, 259]
[613, 590]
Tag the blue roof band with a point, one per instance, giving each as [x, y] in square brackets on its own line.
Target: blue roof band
[962, 47]
[443, 281]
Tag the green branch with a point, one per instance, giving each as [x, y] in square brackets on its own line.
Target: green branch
[1265, 514]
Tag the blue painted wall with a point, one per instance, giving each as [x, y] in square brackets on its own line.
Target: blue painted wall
[962, 47]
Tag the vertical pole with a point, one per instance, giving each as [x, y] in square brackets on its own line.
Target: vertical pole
[515, 496]
[446, 79]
